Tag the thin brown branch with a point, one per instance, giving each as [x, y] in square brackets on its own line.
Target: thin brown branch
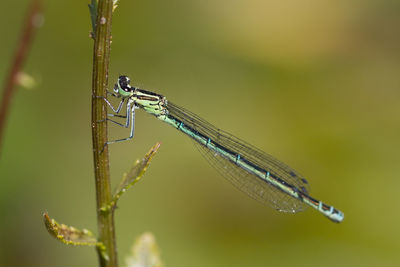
[23, 47]
[101, 59]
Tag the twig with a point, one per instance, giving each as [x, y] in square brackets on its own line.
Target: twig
[101, 58]
[23, 48]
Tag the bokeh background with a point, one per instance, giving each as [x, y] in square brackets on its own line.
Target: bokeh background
[314, 83]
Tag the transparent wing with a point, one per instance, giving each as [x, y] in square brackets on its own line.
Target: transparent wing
[250, 184]
[247, 182]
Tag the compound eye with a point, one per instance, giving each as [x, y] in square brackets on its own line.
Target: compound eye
[124, 83]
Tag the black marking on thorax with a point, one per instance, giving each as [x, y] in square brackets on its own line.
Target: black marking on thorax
[149, 93]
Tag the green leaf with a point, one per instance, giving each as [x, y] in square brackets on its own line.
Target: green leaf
[133, 176]
[145, 252]
[93, 14]
[70, 235]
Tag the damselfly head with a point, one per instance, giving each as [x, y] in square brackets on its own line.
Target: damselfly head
[122, 87]
[124, 81]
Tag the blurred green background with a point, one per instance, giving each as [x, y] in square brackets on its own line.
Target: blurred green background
[314, 83]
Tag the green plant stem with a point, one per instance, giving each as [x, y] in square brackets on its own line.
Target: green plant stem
[101, 59]
[21, 53]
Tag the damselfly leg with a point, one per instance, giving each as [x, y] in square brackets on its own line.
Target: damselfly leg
[129, 116]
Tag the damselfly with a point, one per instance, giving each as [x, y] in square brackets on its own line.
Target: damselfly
[253, 171]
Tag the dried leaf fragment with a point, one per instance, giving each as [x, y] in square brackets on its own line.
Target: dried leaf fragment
[70, 235]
